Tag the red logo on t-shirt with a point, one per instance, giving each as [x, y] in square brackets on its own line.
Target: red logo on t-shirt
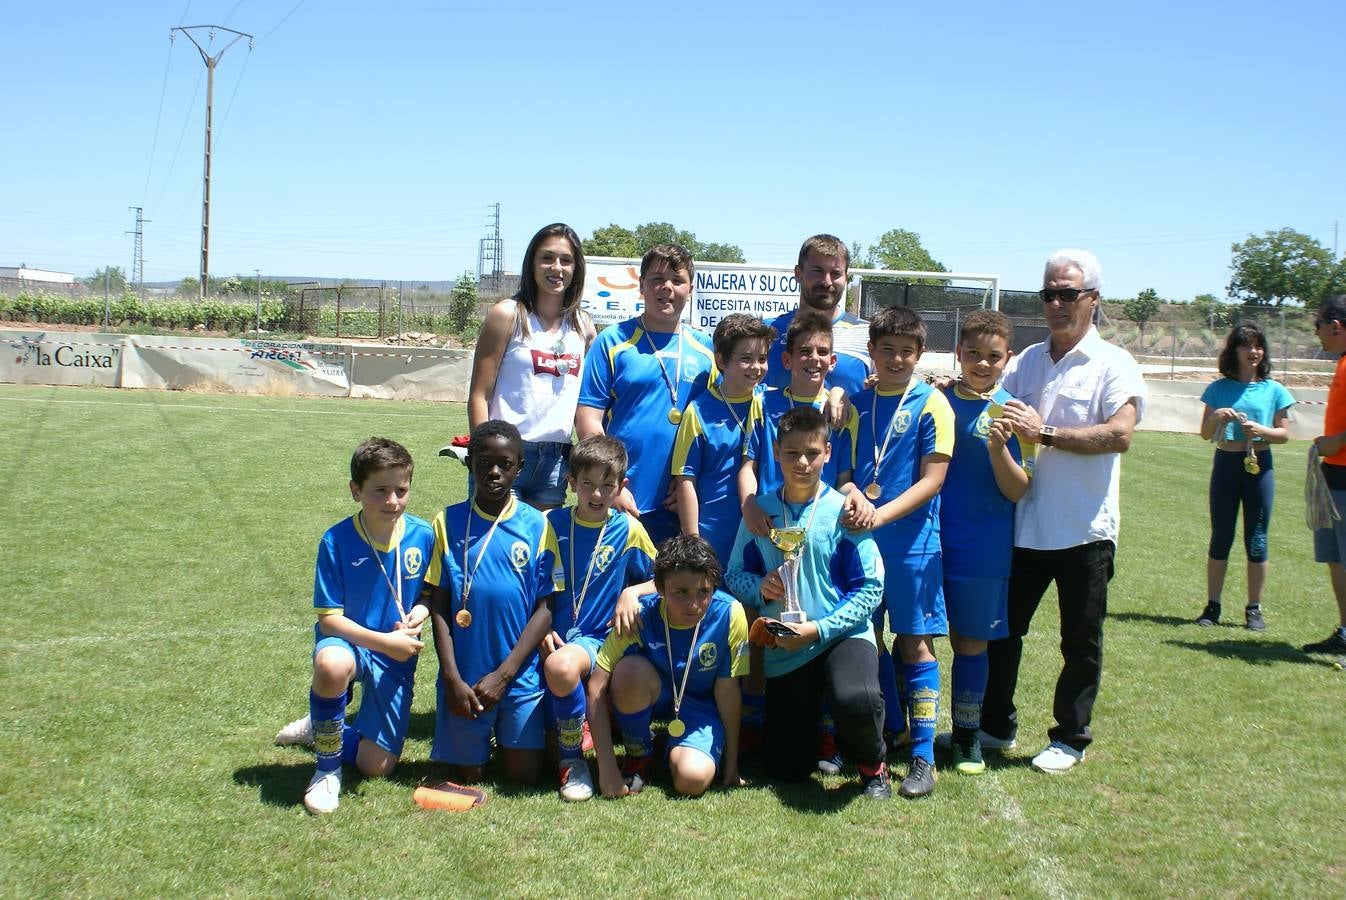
[558, 365]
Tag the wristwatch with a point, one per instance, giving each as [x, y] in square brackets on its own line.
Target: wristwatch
[1046, 433]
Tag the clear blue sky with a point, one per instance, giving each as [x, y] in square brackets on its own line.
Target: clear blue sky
[367, 140]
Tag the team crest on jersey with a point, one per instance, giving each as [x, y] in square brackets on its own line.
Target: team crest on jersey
[706, 655]
[603, 557]
[412, 561]
[902, 421]
[519, 555]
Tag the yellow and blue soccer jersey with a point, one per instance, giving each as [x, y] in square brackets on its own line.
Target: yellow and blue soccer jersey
[348, 579]
[623, 378]
[922, 426]
[710, 445]
[625, 557]
[762, 440]
[721, 645]
[976, 519]
[850, 342]
[840, 575]
[517, 569]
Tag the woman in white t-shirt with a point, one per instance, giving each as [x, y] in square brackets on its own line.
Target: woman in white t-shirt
[526, 370]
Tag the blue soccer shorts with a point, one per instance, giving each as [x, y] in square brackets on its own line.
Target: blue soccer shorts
[517, 721]
[385, 702]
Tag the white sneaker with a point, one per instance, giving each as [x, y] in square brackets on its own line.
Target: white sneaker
[300, 731]
[324, 792]
[1057, 758]
[944, 741]
[576, 782]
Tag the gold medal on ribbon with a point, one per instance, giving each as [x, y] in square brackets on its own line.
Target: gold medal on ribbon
[873, 492]
[674, 416]
[676, 728]
[463, 618]
[1250, 465]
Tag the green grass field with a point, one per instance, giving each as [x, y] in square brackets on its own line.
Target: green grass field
[157, 557]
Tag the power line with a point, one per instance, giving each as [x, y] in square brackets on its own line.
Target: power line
[182, 134]
[158, 117]
[224, 121]
[232, 11]
[292, 11]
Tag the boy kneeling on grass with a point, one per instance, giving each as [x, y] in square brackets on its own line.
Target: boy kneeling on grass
[493, 571]
[830, 657]
[609, 560]
[370, 566]
[683, 664]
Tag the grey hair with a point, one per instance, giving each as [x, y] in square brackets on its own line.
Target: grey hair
[1083, 260]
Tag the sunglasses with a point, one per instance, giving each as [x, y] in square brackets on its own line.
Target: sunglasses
[1065, 295]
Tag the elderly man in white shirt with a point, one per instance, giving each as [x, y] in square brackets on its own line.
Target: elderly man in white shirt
[1080, 398]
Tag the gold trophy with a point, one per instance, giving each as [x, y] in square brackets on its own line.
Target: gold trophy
[790, 541]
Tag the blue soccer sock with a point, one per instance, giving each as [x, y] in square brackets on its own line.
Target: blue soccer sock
[636, 734]
[350, 744]
[329, 719]
[969, 689]
[894, 705]
[754, 709]
[569, 709]
[923, 688]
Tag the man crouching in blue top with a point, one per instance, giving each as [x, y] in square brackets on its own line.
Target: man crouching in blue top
[831, 655]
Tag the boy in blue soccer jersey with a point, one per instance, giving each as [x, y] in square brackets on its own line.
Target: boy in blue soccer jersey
[683, 664]
[976, 511]
[714, 433]
[605, 554]
[638, 378]
[808, 357]
[367, 592]
[493, 568]
[902, 455]
[830, 657]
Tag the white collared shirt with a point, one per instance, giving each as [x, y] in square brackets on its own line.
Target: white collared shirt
[1073, 498]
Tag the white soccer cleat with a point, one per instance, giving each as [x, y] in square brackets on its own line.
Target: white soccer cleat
[299, 732]
[576, 782]
[1057, 758]
[324, 792]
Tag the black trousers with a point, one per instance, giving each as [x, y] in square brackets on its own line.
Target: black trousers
[1081, 574]
[847, 675]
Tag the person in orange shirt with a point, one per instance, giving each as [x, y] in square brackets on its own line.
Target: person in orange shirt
[1329, 544]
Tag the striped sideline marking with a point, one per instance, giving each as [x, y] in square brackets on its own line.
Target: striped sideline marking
[1298, 401]
[1045, 871]
[288, 412]
[273, 346]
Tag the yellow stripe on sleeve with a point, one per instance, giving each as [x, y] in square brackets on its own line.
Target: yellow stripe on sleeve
[938, 409]
[689, 429]
[738, 640]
